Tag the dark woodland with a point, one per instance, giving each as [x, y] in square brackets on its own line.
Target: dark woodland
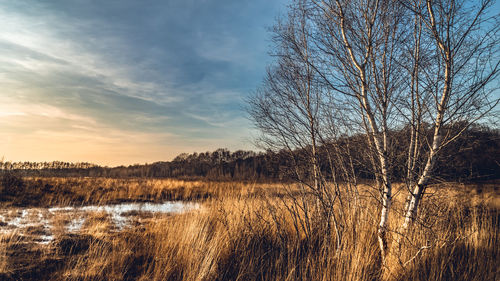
[473, 157]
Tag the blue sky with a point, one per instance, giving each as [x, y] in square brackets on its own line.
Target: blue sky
[128, 81]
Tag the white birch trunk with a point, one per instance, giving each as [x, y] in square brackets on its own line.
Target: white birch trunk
[386, 205]
[418, 190]
[380, 144]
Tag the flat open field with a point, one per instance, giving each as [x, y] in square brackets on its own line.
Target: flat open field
[137, 229]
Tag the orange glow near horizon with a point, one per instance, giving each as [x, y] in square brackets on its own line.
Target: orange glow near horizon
[40, 133]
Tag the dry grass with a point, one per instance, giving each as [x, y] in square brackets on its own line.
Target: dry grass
[97, 191]
[456, 237]
[251, 235]
[5, 239]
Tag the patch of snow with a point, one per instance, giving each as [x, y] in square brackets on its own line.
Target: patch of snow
[120, 214]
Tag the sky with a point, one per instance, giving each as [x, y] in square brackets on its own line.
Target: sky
[126, 81]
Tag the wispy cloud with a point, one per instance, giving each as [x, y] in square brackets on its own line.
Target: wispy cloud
[141, 81]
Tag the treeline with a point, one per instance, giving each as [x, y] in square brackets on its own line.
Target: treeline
[7, 165]
[220, 164]
[474, 156]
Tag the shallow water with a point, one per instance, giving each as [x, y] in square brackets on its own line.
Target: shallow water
[40, 223]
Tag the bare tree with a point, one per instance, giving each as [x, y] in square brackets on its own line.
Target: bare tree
[359, 42]
[451, 79]
[292, 112]
[374, 66]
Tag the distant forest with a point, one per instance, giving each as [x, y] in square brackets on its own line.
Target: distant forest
[474, 156]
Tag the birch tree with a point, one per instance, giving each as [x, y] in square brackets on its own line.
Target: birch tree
[382, 65]
[455, 67]
[359, 41]
[287, 107]
[288, 110]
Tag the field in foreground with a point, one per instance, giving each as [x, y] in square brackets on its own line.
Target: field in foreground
[244, 231]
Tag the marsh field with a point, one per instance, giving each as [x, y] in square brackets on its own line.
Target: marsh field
[166, 229]
[376, 126]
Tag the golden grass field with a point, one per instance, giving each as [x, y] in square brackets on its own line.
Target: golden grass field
[245, 231]
[83, 191]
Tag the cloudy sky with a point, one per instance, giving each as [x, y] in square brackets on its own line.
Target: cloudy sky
[127, 81]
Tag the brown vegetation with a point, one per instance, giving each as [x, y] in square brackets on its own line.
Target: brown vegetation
[258, 237]
[47, 192]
